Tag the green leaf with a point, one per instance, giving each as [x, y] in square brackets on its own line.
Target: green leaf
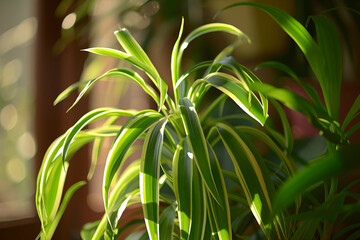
[149, 177]
[182, 177]
[207, 28]
[51, 177]
[288, 136]
[327, 65]
[324, 58]
[198, 145]
[127, 57]
[353, 112]
[124, 189]
[131, 130]
[239, 93]
[175, 69]
[167, 223]
[321, 169]
[51, 227]
[310, 90]
[290, 165]
[250, 172]
[64, 94]
[133, 48]
[198, 206]
[219, 213]
[88, 118]
[290, 25]
[127, 73]
[287, 97]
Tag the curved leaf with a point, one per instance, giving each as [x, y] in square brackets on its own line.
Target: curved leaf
[207, 28]
[167, 223]
[149, 177]
[219, 213]
[182, 177]
[239, 93]
[198, 145]
[128, 73]
[131, 130]
[88, 118]
[252, 178]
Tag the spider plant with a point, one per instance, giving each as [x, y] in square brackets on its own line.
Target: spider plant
[180, 179]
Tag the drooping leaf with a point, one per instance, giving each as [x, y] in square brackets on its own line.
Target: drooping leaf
[175, 70]
[207, 28]
[219, 213]
[130, 131]
[198, 145]
[353, 112]
[182, 176]
[51, 226]
[149, 177]
[252, 179]
[167, 223]
[323, 168]
[239, 93]
[88, 118]
[127, 73]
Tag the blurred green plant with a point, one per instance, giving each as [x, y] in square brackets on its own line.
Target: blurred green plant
[180, 179]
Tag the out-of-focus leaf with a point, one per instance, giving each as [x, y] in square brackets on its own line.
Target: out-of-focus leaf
[64, 94]
[288, 136]
[353, 112]
[323, 168]
[149, 177]
[198, 145]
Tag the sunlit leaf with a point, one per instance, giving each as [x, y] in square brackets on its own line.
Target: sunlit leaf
[133, 128]
[149, 177]
[198, 145]
[239, 93]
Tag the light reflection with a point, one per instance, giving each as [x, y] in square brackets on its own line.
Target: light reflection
[69, 21]
[16, 170]
[26, 146]
[11, 72]
[8, 117]
[19, 35]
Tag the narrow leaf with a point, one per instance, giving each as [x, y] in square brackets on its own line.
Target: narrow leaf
[198, 144]
[149, 177]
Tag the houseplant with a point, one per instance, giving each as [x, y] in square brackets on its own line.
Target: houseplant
[180, 179]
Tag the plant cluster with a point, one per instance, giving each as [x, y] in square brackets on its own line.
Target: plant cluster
[180, 180]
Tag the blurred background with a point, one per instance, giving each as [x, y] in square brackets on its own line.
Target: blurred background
[40, 43]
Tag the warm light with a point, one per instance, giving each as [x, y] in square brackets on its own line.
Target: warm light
[11, 73]
[16, 170]
[69, 21]
[8, 117]
[26, 146]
